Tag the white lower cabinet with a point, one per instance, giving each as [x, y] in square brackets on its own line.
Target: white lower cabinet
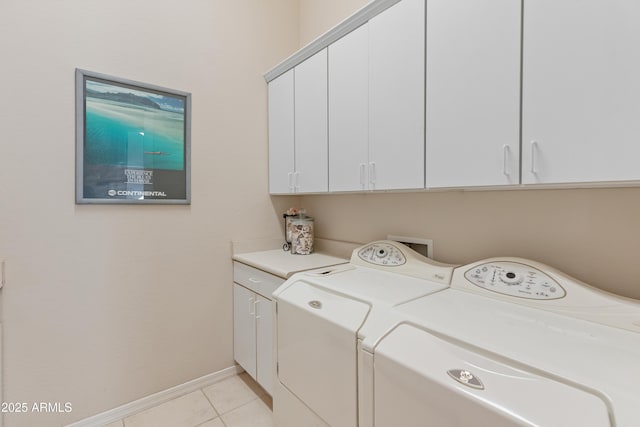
[252, 323]
[264, 339]
[244, 328]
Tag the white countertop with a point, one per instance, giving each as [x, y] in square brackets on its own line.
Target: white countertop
[284, 264]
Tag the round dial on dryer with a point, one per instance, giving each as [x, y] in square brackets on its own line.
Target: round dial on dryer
[515, 279]
[382, 254]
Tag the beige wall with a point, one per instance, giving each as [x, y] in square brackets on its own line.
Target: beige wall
[107, 304]
[316, 16]
[592, 234]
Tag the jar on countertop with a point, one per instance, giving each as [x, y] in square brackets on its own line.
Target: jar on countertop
[301, 232]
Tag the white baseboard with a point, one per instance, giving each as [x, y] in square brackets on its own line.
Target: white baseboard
[147, 402]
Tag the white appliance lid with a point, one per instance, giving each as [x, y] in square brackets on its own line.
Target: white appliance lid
[600, 357]
[370, 285]
[383, 272]
[458, 386]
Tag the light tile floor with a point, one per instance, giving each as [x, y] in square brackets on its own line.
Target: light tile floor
[234, 402]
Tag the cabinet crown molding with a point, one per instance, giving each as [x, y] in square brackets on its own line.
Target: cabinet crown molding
[360, 17]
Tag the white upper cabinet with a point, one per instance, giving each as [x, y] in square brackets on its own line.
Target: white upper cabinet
[281, 134]
[460, 93]
[349, 112]
[396, 96]
[473, 93]
[581, 91]
[298, 148]
[310, 105]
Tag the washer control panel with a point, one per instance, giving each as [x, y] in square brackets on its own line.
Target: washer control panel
[381, 253]
[515, 279]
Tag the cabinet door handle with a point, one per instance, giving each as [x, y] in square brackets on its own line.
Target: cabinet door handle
[505, 159]
[252, 307]
[372, 173]
[534, 149]
[362, 172]
[290, 177]
[296, 180]
[255, 308]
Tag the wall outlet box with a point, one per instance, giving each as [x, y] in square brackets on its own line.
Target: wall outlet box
[422, 246]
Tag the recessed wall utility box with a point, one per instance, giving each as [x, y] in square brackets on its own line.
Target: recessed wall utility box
[422, 246]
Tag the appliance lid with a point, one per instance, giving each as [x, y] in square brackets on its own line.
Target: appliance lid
[433, 381]
[370, 285]
[597, 356]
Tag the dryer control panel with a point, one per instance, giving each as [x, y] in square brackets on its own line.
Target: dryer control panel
[394, 257]
[515, 279]
[382, 253]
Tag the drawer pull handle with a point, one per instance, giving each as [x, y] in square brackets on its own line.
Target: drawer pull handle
[315, 304]
[255, 281]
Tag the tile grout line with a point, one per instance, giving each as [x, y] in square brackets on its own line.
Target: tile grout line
[179, 396]
[256, 396]
[243, 405]
[218, 414]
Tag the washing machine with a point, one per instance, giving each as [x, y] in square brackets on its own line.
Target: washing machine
[321, 316]
[512, 342]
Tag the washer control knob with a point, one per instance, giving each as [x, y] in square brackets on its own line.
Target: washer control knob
[511, 278]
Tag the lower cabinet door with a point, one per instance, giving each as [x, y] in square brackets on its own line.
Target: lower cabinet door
[264, 337]
[244, 328]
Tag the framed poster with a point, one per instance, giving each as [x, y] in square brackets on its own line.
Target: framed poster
[132, 142]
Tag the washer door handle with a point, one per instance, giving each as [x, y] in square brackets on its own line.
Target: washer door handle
[466, 378]
[315, 304]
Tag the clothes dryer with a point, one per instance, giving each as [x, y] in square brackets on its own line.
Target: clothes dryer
[321, 315]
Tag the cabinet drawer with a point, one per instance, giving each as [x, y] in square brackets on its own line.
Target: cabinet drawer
[257, 280]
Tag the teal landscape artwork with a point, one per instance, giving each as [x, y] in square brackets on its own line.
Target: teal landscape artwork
[127, 127]
[133, 141]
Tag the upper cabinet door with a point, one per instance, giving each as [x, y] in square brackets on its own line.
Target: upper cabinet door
[581, 91]
[396, 96]
[281, 134]
[349, 111]
[473, 93]
[311, 146]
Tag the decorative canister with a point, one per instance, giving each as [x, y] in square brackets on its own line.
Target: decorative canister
[301, 227]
